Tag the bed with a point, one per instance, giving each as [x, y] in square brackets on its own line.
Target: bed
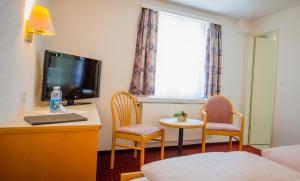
[284, 155]
[230, 166]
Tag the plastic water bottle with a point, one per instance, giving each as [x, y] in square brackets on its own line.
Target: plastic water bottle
[55, 100]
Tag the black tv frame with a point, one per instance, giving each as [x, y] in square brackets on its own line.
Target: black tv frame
[70, 100]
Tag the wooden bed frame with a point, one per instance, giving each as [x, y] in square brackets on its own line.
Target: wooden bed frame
[131, 175]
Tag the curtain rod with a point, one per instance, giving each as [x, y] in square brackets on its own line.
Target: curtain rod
[162, 7]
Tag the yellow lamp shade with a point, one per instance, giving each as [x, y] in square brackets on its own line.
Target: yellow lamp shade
[40, 21]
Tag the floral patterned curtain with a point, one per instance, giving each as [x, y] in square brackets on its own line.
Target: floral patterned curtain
[143, 76]
[213, 61]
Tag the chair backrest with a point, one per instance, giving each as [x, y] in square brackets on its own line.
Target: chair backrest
[121, 106]
[219, 109]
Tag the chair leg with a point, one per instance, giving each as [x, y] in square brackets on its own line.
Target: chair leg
[241, 143]
[203, 141]
[142, 159]
[162, 144]
[135, 151]
[112, 156]
[230, 143]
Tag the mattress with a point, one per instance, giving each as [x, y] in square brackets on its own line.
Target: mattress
[231, 166]
[284, 155]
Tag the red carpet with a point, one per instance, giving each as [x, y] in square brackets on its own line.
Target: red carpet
[126, 163]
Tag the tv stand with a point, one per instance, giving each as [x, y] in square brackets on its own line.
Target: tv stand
[49, 152]
[71, 102]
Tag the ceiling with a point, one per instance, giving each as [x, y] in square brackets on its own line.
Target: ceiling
[240, 9]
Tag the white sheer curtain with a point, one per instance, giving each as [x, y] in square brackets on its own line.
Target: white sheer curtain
[181, 52]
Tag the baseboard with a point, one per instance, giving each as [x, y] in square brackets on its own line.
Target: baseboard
[167, 146]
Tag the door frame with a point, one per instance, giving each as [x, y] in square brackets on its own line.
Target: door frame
[276, 31]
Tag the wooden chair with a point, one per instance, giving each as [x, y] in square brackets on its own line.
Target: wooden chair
[131, 175]
[123, 105]
[218, 120]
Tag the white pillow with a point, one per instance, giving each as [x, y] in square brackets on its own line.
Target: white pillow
[285, 155]
[140, 179]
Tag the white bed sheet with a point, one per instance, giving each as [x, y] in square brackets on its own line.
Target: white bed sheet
[284, 155]
[140, 179]
[219, 166]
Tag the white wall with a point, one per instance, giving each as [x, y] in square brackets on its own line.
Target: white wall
[286, 119]
[106, 30]
[17, 62]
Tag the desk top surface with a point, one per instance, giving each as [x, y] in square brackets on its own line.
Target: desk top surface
[89, 111]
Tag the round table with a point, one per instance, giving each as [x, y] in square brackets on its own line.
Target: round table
[188, 124]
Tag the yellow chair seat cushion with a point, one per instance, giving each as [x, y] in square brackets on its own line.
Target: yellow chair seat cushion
[221, 126]
[139, 129]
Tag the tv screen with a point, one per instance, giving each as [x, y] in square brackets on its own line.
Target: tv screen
[78, 77]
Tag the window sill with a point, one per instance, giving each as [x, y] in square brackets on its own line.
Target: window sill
[159, 100]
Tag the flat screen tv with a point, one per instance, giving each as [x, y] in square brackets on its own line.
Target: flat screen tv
[77, 76]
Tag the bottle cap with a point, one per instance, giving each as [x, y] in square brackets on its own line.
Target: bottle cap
[56, 87]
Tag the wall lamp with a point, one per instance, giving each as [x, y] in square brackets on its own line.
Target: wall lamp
[39, 23]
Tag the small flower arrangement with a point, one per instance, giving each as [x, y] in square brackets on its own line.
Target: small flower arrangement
[181, 116]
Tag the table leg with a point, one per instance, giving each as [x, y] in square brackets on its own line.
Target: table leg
[180, 141]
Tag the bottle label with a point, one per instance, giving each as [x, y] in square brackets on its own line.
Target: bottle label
[54, 104]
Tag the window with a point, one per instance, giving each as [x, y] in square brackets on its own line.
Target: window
[180, 57]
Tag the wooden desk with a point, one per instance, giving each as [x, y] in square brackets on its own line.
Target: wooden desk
[188, 124]
[64, 151]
